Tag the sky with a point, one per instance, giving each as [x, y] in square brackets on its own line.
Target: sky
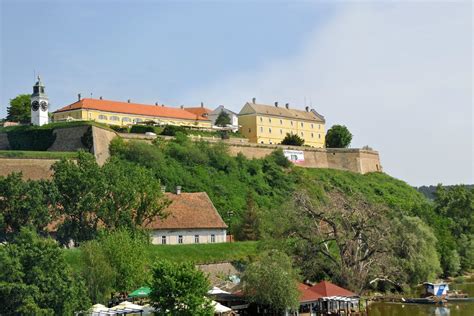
[398, 74]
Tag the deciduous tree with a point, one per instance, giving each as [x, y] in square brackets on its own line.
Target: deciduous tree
[338, 136]
[19, 109]
[180, 289]
[293, 140]
[223, 119]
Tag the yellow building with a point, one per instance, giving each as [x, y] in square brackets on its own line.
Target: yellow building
[266, 124]
[126, 113]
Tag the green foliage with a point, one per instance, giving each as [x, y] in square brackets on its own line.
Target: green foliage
[142, 129]
[270, 281]
[35, 280]
[293, 140]
[248, 228]
[171, 130]
[19, 109]
[180, 289]
[200, 166]
[223, 119]
[31, 139]
[133, 196]
[24, 204]
[338, 136]
[120, 129]
[87, 139]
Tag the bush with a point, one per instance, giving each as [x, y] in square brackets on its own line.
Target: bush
[171, 130]
[119, 129]
[293, 140]
[142, 129]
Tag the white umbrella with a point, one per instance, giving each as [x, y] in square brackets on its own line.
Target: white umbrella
[127, 305]
[216, 290]
[219, 308]
[97, 309]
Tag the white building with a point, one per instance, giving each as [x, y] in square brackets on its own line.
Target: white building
[234, 121]
[192, 219]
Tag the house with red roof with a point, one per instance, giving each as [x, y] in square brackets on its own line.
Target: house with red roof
[128, 113]
[191, 218]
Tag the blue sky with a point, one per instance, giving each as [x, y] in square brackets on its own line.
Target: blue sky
[398, 74]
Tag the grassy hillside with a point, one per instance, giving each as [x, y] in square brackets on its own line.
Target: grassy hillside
[199, 254]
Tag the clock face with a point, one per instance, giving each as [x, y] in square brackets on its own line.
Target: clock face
[35, 105]
[44, 105]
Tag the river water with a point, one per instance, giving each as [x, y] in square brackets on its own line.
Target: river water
[452, 309]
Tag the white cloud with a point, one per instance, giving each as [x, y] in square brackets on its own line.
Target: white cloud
[398, 75]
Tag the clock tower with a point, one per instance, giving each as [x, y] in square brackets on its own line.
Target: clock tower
[39, 104]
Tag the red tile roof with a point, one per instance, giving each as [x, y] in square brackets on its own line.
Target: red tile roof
[132, 108]
[200, 111]
[326, 289]
[189, 210]
[306, 293]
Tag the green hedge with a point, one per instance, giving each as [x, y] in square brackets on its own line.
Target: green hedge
[142, 129]
[33, 139]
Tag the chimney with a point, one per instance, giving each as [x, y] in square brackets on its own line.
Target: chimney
[287, 105]
[254, 100]
[178, 190]
[202, 104]
[182, 107]
[307, 109]
[276, 104]
[156, 103]
[79, 97]
[163, 188]
[163, 104]
[128, 101]
[100, 98]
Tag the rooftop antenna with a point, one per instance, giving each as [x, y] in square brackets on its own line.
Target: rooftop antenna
[91, 95]
[305, 101]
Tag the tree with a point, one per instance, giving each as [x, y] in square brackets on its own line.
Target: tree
[35, 279]
[24, 204]
[223, 119]
[249, 227]
[19, 109]
[293, 140]
[338, 136]
[271, 282]
[180, 289]
[351, 234]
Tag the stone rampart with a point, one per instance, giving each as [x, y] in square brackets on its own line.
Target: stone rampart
[33, 169]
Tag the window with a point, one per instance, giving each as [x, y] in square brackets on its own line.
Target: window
[180, 239]
[312, 125]
[250, 130]
[42, 89]
[312, 135]
[196, 239]
[261, 119]
[281, 132]
[319, 136]
[137, 120]
[261, 129]
[281, 122]
[126, 119]
[102, 117]
[163, 240]
[269, 120]
[114, 118]
[302, 134]
[301, 124]
[270, 130]
[291, 123]
[213, 238]
[319, 126]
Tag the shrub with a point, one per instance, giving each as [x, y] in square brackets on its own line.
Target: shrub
[293, 140]
[171, 130]
[119, 129]
[142, 129]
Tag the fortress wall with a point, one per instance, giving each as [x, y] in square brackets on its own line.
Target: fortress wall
[33, 169]
[68, 139]
[4, 144]
[102, 139]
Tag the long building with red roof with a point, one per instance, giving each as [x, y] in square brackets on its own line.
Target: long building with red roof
[128, 113]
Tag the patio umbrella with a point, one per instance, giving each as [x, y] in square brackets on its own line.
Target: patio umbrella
[219, 308]
[141, 292]
[127, 305]
[216, 290]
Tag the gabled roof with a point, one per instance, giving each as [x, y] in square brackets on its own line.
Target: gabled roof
[132, 109]
[306, 294]
[200, 111]
[327, 289]
[222, 108]
[187, 211]
[282, 111]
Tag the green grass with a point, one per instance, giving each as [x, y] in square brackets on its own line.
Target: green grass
[37, 154]
[204, 253]
[53, 126]
[199, 254]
